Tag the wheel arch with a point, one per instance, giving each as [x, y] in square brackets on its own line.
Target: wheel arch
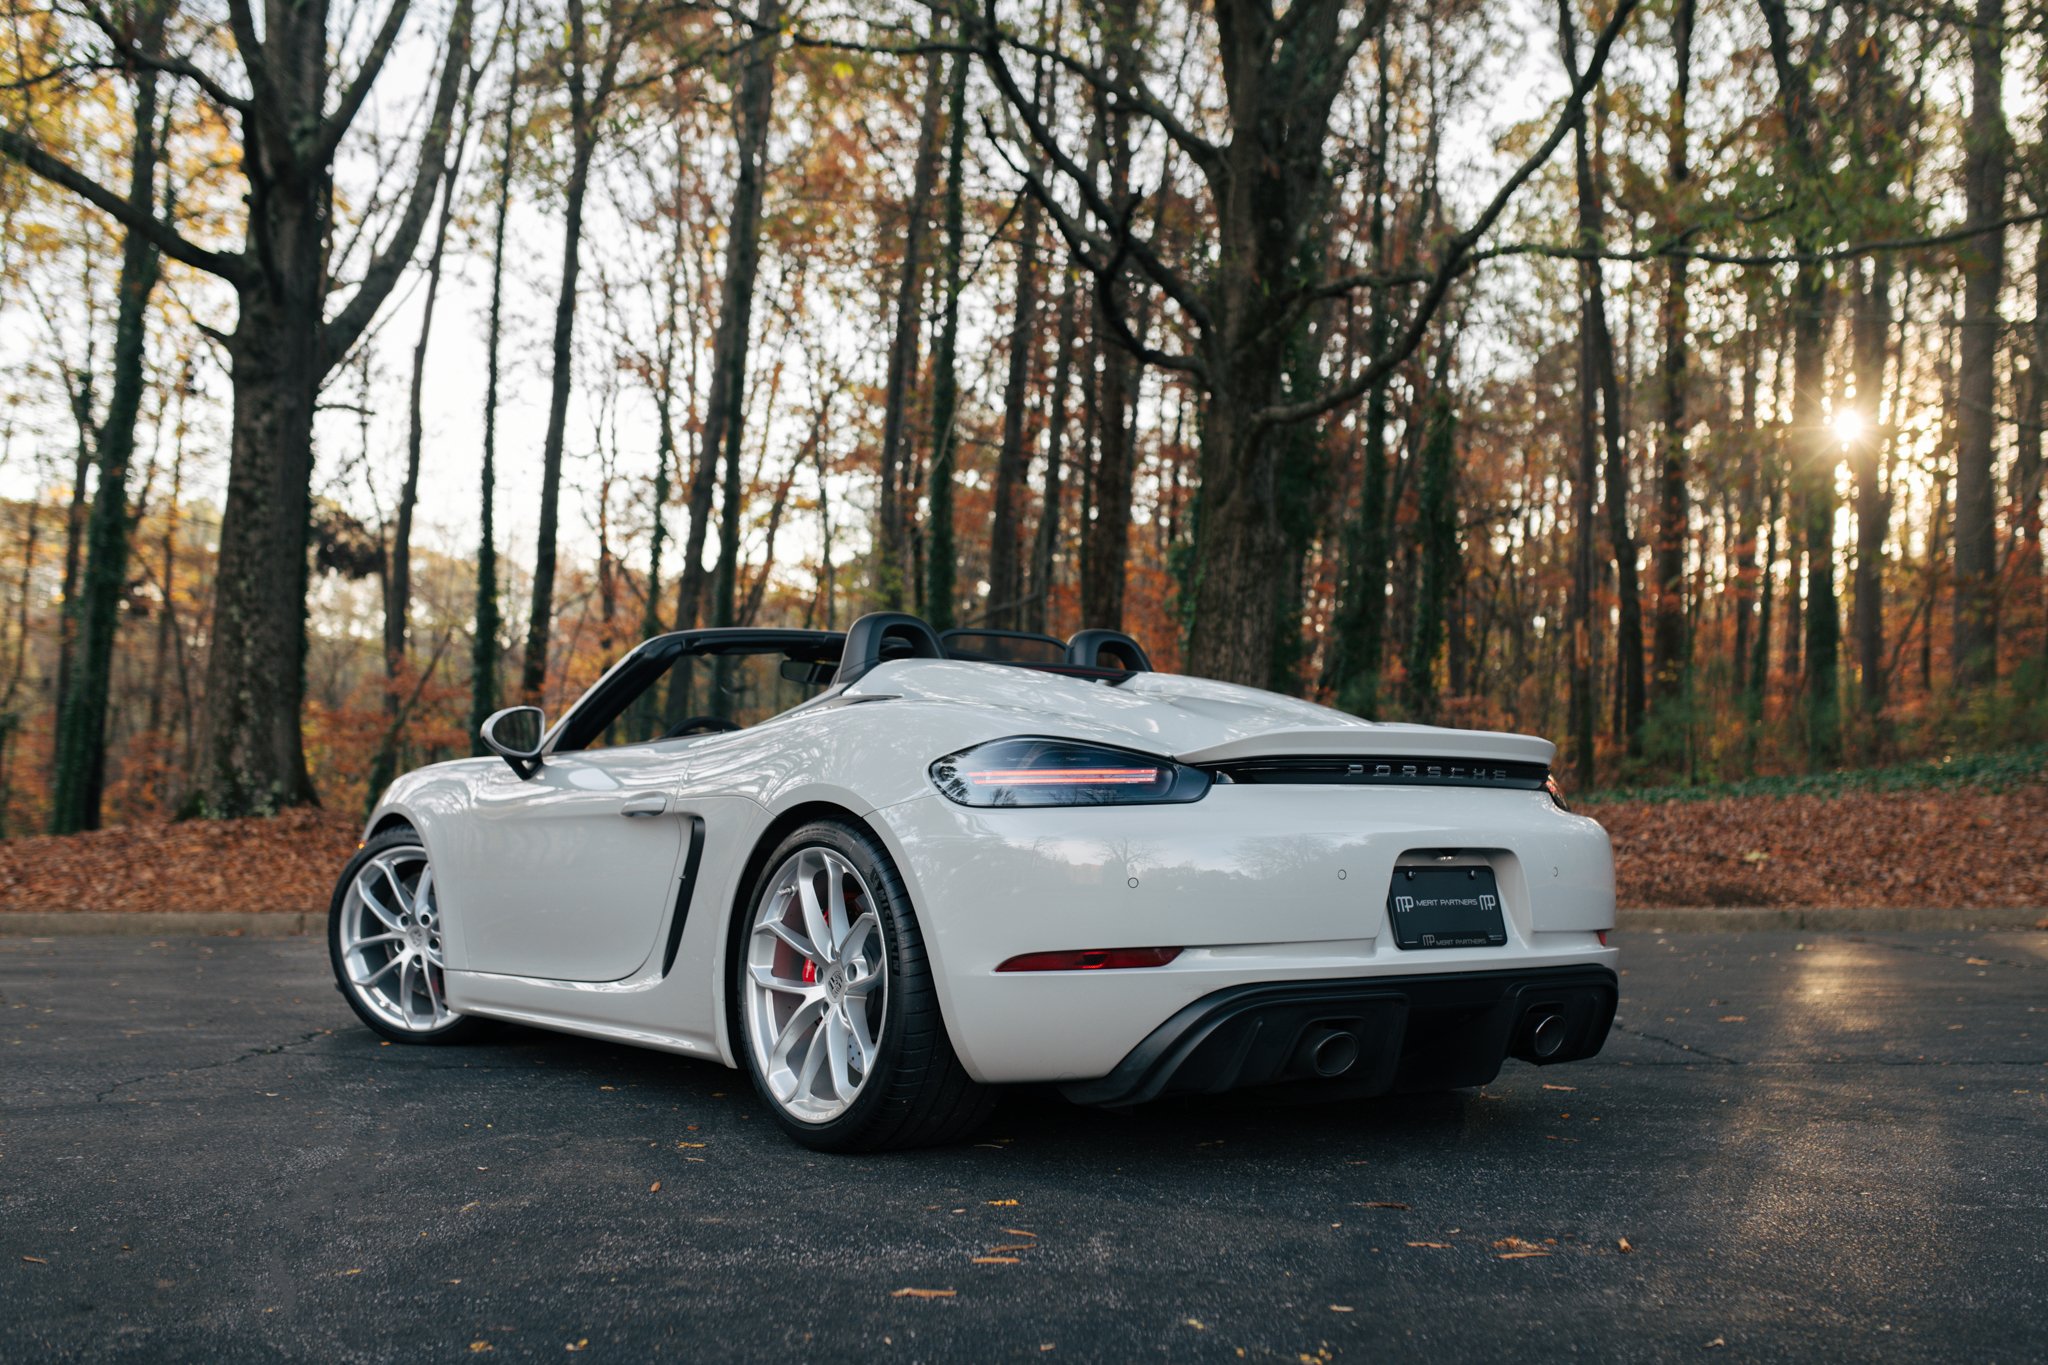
[778, 828]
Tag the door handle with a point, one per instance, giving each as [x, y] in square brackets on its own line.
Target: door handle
[644, 806]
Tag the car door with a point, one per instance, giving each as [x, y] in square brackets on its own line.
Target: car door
[573, 869]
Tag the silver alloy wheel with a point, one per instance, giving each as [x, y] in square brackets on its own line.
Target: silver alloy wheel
[391, 941]
[817, 985]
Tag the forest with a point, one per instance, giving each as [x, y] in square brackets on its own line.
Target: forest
[1660, 376]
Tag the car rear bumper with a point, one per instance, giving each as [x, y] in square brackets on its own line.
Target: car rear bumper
[1362, 1037]
[1255, 885]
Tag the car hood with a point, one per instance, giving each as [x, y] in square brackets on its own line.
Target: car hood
[1196, 720]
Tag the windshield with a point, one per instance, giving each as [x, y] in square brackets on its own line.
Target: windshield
[706, 682]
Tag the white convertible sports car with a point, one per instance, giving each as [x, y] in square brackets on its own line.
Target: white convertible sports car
[887, 871]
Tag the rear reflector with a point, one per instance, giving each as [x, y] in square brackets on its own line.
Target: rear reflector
[1090, 960]
[1603, 936]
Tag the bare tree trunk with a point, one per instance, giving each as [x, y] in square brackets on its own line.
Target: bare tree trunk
[398, 579]
[1670, 648]
[940, 569]
[1873, 507]
[1983, 263]
[1106, 534]
[484, 649]
[892, 537]
[1046, 541]
[1005, 537]
[586, 114]
[756, 101]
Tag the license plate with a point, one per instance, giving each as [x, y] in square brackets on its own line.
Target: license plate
[1446, 907]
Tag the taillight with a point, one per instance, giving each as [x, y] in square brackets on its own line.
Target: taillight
[1028, 771]
[1090, 960]
[1556, 793]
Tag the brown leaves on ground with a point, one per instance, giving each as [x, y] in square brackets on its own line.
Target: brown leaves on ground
[1961, 849]
[1967, 850]
[287, 864]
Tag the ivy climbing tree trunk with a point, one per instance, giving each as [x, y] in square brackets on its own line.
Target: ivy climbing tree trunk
[82, 729]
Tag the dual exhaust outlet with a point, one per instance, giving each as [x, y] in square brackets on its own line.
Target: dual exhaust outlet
[1327, 1052]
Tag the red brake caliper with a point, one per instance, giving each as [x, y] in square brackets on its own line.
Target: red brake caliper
[810, 977]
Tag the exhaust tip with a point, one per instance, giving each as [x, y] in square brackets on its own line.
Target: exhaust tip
[1546, 1035]
[1328, 1052]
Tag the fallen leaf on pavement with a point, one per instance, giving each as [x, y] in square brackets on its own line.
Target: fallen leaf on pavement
[579, 1344]
[1019, 1232]
[35, 1260]
[1734, 1018]
[1548, 1086]
[995, 1260]
[1623, 1244]
[1519, 1255]
[1002, 1203]
[1433, 1246]
[477, 1348]
[655, 1188]
[924, 1293]
[1382, 1204]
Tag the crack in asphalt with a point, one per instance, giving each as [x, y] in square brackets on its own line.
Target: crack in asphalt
[246, 1056]
[1647, 1036]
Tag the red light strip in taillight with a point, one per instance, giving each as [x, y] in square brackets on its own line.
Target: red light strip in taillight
[1090, 960]
[1063, 777]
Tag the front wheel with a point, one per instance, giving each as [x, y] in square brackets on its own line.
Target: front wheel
[838, 1013]
[384, 938]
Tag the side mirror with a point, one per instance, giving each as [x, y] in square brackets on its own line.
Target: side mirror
[514, 734]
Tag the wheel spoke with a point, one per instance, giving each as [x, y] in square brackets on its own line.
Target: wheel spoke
[807, 1078]
[815, 924]
[422, 894]
[377, 908]
[397, 960]
[765, 977]
[405, 901]
[803, 1022]
[842, 932]
[378, 938]
[433, 993]
[857, 935]
[796, 941]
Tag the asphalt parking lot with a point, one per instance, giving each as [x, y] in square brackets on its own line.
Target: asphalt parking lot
[1794, 1146]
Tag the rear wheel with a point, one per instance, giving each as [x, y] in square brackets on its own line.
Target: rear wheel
[839, 1016]
[384, 938]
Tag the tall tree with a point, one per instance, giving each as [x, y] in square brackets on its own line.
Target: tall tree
[1358, 643]
[398, 571]
[589, 80]
[892, 531]
[1670, 667]
[1045, 541]
[1983, 263]
[292, 122]
[1013, 458]
[82, 723]
[1812, 463]
[940, 570]
[485, 646]
[1281, 75]
[1436, 516]
[753, 114]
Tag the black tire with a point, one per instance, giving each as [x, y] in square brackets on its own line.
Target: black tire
[459, 1029]
[917, 1094]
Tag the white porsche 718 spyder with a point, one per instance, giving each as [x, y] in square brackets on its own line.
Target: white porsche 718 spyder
[888, 871]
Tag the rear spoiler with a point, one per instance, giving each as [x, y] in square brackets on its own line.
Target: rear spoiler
[1379, 741]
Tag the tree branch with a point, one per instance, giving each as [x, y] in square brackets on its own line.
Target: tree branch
[133, 51]
[165, 238]
[390, 262]
[1455, 259]
[336, 125]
